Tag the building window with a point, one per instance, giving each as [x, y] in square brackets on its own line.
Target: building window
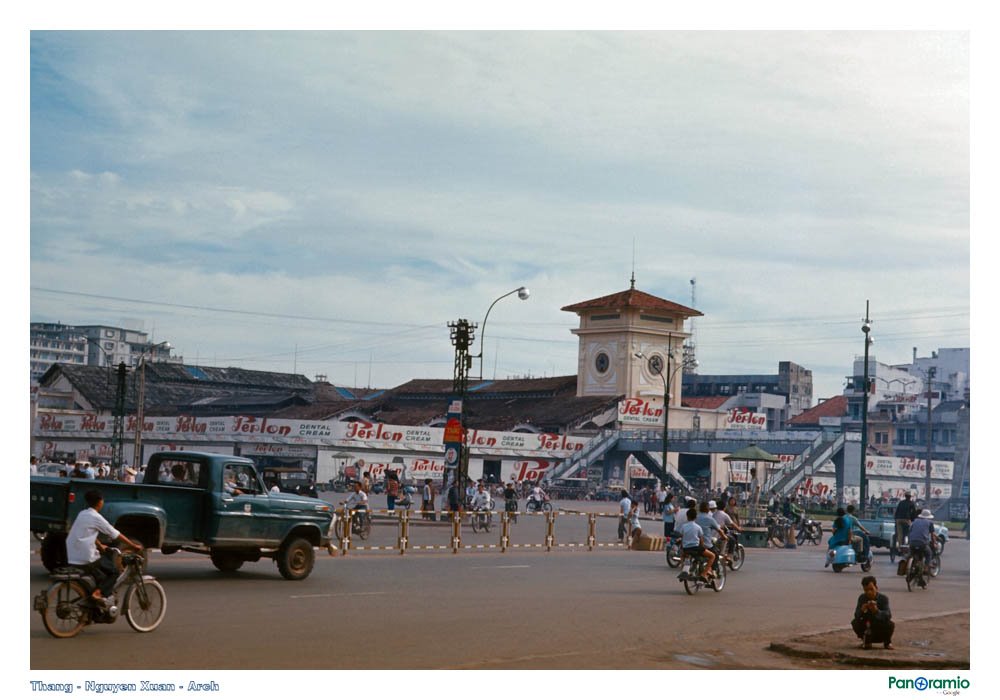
[656, 319]
[604, 317]
[601, 363]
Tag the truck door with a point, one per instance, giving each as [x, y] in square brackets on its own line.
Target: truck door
[244, 509]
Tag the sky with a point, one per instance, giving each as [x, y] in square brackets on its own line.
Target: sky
[326, 202]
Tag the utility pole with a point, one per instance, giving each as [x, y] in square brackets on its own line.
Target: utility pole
[118, 430]
[931, 371]
[462, 335]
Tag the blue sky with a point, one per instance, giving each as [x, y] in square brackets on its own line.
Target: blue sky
[325, 202]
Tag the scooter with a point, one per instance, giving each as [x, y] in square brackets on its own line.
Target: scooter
[845, 555]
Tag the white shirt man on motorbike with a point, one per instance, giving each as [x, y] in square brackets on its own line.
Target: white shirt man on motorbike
[537, 495]
[357, 500]
[481, 500]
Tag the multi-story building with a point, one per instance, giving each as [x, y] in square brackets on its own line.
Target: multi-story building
[951, 367]
[53, 343]
[792, 382]
[99, 346]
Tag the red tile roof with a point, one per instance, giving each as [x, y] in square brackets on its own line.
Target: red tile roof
[634, 299]
[706, 402]
[835, 407]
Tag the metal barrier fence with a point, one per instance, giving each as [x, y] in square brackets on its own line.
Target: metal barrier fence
[518, 530]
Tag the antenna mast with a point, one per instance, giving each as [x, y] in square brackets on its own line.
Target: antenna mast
[690, 348]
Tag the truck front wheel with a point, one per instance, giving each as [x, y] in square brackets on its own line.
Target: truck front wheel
[227, 561]
[295, 559]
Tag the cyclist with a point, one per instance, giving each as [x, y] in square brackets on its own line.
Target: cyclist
[84, 550]
[693, 543]
[922, 536]
[357, 501]
[906, 512]
[510, 498]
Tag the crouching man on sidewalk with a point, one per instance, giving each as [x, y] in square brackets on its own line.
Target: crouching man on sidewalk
[872, 618]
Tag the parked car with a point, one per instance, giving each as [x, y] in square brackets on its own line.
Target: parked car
[53, 469]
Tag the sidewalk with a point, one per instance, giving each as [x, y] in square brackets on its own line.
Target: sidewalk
[935, 642]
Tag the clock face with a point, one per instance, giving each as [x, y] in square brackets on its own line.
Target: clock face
[655, 364]
[601, 362]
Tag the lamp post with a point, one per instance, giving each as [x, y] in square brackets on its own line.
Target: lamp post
[140, 407]
[866, 329]
[667, 379]
[522, 294]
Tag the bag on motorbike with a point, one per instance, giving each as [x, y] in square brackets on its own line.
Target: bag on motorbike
[902, 567]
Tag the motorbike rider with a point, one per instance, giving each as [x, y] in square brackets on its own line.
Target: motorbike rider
[922, 536]
[906, 512]
[357, 501]
[790, 510]
[537, 494]
[695, 544]
[84, 550]
[729, 526]
[715, 538]
[481, 499]
[858, 529]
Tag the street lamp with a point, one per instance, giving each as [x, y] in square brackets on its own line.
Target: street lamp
[667, 379]
[522, 294]
[140, 408]
[866, 329]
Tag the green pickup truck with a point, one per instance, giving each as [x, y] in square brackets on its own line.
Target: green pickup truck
[194, 502]
[882, 530]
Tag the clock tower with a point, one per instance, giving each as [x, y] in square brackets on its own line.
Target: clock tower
[614, 329]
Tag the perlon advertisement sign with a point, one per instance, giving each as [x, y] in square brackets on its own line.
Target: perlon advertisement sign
[193, 430]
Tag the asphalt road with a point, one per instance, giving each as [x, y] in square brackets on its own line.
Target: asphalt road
[482, 609]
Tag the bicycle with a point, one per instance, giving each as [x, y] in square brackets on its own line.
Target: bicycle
[361, 524]
[482, 519]
[777, 529]
[510, 505]
[68, 605]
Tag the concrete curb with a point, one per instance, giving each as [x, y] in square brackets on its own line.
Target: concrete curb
[809, 646]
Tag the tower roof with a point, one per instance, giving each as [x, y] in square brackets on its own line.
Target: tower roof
[632, 299]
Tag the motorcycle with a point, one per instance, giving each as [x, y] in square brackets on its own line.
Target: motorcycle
[673, 549]
[737, 555]
[534, 506]
[694, 576]
[361, 524]
[918, 573]
[67, 606]
[845, 555]
[482, 519]
[810, 530]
